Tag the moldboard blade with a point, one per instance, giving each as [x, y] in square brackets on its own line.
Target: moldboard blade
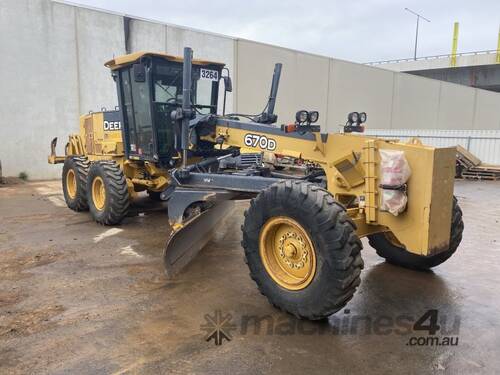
[184, 244]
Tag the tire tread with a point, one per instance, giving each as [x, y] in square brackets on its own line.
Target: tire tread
[116, 189]
[81, 166]
[401, 257]
[340, 250]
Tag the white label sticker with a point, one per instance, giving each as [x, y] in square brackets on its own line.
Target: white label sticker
[211, 75]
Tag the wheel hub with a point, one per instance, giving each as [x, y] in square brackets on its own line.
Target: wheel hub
[71, 183]
[98, 193]
[290, 251]
[293, 250]
[287, 253]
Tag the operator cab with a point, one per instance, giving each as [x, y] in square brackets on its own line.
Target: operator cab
[149, 88]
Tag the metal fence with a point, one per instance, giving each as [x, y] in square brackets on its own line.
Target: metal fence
[485, 144]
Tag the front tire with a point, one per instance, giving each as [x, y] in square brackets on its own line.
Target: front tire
[74, 182]
[302, 249]
[399, 256]
[107, 193]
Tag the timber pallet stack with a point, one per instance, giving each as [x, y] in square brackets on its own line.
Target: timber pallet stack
[470, 167]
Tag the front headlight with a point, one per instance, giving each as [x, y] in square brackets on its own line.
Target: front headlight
[362, 117]
[313, 116]
[353, 117]
[301, 116]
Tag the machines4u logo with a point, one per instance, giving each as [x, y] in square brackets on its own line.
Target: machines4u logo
[430, 329]
[218, 327]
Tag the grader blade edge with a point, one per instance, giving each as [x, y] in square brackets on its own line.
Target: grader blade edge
[184, 244]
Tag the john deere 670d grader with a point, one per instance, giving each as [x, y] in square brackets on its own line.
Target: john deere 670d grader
[301, 232]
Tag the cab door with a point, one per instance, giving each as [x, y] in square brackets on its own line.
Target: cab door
[134, 92]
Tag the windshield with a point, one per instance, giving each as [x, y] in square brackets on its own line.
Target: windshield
[167, 86]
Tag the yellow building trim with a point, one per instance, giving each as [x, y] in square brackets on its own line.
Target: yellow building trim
[454, 45]
[498, 47]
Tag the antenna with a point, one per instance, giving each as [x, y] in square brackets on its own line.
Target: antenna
[416, 33]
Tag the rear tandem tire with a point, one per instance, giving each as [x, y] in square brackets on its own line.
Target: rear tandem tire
[107, 193]
[307, 214]
[74, 182]
[401, 257]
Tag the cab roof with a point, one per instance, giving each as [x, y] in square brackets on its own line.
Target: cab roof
[121, 61]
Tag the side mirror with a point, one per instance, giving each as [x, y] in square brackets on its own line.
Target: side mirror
[139, 73]
[228, 87]
[228, 84]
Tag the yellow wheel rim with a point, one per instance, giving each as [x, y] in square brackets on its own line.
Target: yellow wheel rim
[71, 183]
[287, 253]
[98, 193]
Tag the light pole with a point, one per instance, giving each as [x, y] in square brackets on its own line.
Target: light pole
[416, 34]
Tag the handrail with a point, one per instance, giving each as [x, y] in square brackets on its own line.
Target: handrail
[486, 52]
[431, 136]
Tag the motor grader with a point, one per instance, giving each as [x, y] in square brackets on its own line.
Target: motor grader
[301, 232]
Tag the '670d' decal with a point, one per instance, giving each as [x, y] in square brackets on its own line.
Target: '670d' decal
[256, 140]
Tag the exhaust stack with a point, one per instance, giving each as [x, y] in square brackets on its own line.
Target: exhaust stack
[268, 116]
[186, 103]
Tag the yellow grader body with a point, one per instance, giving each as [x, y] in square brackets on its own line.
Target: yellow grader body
[301, 232]
[100, 139]
[352, 166]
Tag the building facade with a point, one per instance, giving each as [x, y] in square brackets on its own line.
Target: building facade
[52, 71]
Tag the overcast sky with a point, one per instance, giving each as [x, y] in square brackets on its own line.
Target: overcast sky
[362, 31]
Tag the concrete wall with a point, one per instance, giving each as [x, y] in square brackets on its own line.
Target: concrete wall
[354, 87]
[302, 85]
[474, 70]
[205, 46]
[52, 71]
[334, 87]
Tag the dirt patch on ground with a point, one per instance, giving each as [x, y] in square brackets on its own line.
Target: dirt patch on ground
[5, 181]
[73, 305]
[30, 218]
[9, 298]
[28, 322]
[144, 279]
[13, 266]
